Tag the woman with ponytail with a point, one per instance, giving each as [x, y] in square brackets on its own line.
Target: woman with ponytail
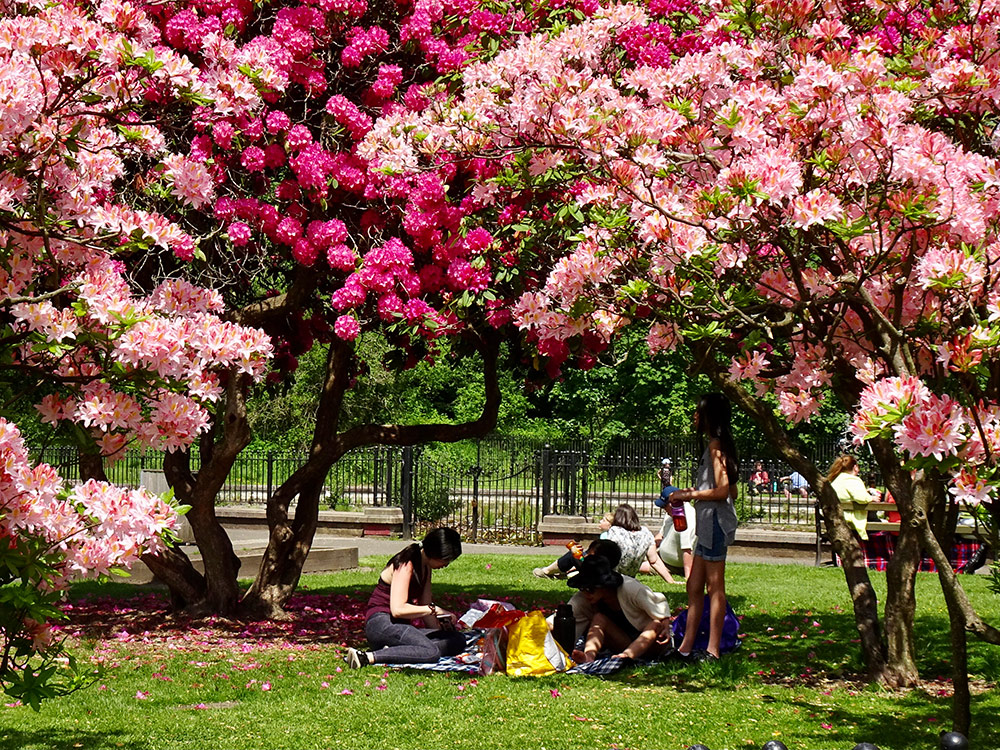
[854, 497]
[715, 527]
[402, 597]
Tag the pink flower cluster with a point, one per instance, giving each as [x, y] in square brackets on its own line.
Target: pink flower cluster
[92, 527]
[362, 43]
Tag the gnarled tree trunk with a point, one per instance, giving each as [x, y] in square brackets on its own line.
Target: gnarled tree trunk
[291, 537]
[216, 591]
[845, 543]
[900, 611]
[901, 573]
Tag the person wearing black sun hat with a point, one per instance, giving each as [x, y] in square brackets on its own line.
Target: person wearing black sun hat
[626, 617]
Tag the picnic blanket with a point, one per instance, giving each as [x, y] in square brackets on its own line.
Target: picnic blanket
[880, 546]
[469, 660]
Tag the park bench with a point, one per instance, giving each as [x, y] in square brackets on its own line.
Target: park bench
[962, 531]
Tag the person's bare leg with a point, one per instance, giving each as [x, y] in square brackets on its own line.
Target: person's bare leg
[596, 635]
[715, 577]
[688, 557]
[696, 604]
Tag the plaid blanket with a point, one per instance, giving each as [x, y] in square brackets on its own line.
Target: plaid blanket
[881, 545]
[468, 661]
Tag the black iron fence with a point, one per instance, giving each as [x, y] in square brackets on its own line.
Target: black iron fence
[492, 489]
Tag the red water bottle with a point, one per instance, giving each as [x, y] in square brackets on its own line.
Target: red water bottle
[677, 514]
[575, 548]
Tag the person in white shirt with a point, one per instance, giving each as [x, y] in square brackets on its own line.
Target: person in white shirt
[624, 616]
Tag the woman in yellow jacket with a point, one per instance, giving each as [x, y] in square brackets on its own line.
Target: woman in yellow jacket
[852, 493]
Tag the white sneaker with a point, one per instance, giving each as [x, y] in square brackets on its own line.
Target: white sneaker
[353, 658]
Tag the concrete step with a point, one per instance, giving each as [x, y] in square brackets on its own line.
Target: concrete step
[320, 560]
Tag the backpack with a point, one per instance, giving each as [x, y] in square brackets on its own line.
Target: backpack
[730, 629]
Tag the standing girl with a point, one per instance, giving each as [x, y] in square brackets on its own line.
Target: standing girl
[402, 595]
[715, 524]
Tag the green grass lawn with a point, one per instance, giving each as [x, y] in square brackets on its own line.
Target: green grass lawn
[172, 684]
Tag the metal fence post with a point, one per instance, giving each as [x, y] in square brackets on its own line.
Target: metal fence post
[406, 492]
[475, 492]
[270, 475]
[546, 482]
[390, 463]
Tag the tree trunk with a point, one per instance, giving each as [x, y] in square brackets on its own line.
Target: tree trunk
[173, 568]
[220, 594]
[964, 620]
[91, 466]
[291, 538]
[288, 546]
[901, 602]
[900, 611]
[845, 543]
[961, 707]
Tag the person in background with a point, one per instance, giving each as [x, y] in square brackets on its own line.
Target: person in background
[666, 473]
[854, 497]
[634, 540]
[759, 479]
[567, 562]
[713, 499]
[623, 615]
[401, 598]
[796, 483]
[676, 548]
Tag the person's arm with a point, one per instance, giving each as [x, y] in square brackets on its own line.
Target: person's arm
[855, 488]
[399, 591]
[657, 564]
[721, 489]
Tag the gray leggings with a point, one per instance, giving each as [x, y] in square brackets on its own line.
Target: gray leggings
[395, 643]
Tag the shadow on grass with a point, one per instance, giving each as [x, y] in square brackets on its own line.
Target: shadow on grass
[44, 739]
[797, 645]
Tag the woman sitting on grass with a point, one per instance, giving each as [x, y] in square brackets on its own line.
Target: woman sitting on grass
[626, 617]
[635, 541]
[402, 596]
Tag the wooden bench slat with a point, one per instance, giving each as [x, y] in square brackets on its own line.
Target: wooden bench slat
[885, 526]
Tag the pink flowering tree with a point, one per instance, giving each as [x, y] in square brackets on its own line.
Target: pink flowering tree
[113, 359]
[310, 243]
[803, 196]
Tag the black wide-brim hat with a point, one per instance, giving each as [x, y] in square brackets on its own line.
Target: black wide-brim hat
[596, 573]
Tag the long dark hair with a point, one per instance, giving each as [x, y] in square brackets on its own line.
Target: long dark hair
[715, 416]
[443, 543]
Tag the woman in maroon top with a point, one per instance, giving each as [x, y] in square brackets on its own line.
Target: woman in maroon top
[402, 597]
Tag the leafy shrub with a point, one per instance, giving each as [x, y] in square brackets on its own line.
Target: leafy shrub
[434, 503]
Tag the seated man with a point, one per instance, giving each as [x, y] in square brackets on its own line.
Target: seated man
[623, 615]
[581, 610]
[795, 483]
[675, 547]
